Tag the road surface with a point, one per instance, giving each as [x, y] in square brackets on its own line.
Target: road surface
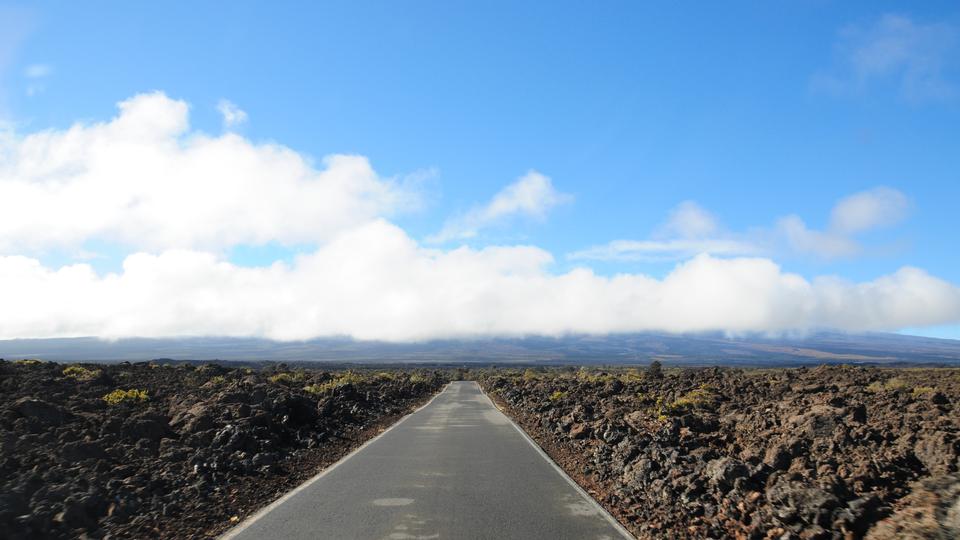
[456, 469]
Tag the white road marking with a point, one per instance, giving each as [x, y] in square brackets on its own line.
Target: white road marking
[229, 535]
[603, 511]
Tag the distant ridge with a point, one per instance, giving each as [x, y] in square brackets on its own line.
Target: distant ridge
[701, 349]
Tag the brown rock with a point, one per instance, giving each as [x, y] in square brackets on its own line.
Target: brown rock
[579, 431]
[938, 452]
[930, 511]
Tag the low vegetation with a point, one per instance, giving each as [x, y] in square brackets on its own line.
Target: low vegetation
[28, 362]
[81, 373]
[894, 384]
[703, 398]
[132, 395]
[287, 378]
[341, 380]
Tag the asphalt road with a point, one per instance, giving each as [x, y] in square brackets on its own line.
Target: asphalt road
[456, 469]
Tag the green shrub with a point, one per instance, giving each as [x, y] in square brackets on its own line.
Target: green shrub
[890, 385]
[81, 373]
[350, 378]
[585, 375]
[120, 396]
[281, 378]
[921, 391]
[318, 389]
[896, 383]
[287, 378]
[702, 398]
[28, 362]
[342, 380]
[697, 399]
[631, 375]
[557, 395]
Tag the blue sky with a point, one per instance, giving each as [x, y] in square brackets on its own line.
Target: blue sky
[751, 111]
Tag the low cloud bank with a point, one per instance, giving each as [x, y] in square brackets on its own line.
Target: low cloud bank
[177, 200]
[375, 282]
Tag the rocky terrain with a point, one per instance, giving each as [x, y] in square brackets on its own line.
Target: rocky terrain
[829, 452]
[152, 450]
[159, 451]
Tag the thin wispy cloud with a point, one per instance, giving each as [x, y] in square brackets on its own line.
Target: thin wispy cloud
[688, 231]
[792, 233]
[532, 195]
[37, 71]
[36, 75]
[233, 116]
[689, 220]
[856, 214]
[662, 250]
[691, 230]
[867, 210]
[918, 59]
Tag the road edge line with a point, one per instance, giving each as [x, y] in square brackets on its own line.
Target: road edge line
[246, 523]
[583, 493]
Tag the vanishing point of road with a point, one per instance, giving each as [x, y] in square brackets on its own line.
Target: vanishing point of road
[456, 469]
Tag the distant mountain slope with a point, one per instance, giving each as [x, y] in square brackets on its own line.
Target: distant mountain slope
[703, 349]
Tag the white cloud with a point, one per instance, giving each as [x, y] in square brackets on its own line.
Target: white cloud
[178, 199]
[691, 230]
[826, 244]
[690, 220]
[374, 282]
[233, 116]
[662, 250]
[688, 231]
[37, 71]
[866, 210]
[531, 195]
[918, 59]
[145, 180]
[853, 215]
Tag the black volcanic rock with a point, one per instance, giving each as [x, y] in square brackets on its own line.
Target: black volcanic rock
[826, 453]
[39, 410]
[198, 447]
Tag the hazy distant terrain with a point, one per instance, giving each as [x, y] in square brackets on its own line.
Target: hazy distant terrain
[875, 348]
